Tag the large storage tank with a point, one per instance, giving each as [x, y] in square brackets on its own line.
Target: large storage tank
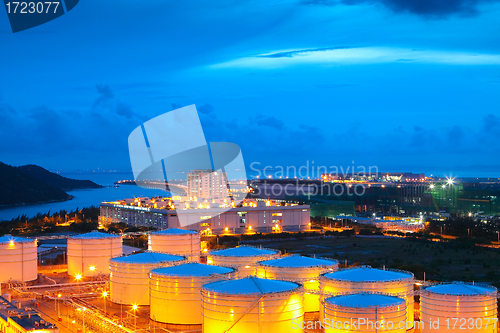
[176, 241]
[175, 291]
[458, 307]
[252, 305]
[129, 276]
[89, 254]
[364, 312]
[367, 279]
[301, 269]
[18, 259]
[243, 257]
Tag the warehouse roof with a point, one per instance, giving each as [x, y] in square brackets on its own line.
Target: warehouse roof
[174, 231]
[461, 288]
[148, 258]
[365, 300]
[299, 261]
[192, 269]
[368, 274]
[94, 235]
[250, 285]
[244, 251]
[8, 238]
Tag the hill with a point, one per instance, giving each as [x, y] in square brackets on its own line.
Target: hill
[53, 179]
[18, 187]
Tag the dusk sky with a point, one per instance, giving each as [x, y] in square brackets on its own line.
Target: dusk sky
[405, 85]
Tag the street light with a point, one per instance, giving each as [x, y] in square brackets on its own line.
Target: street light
[134, 307]
[104, 294]
[78, 277]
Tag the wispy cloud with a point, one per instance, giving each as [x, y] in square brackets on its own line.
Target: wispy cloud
[359, 55]
[427, 8]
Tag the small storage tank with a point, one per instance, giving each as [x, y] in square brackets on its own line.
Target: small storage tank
[18, 259]
[364, 312]
[176, 241]
[175, 291]
[89, 254]
[252, 305]
[457, 307]
[129, 276]
[244, 258]
[367, 279]
[301, 269]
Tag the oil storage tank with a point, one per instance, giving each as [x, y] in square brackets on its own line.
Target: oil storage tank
[18, 259]
[129, 275]
[244, 258]
[458, 307]
[89, 254]
[364, 312]
[251, 305]
[301, 269]
[175, 291]
[367, 279]
[176, 241]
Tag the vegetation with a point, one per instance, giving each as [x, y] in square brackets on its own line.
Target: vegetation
[56, 180]
[17, 187]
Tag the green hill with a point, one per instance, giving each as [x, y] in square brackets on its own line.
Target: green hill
[56, 180]
[17, 187]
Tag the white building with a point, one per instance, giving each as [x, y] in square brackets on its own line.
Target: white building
[251, 216]
[207, 184]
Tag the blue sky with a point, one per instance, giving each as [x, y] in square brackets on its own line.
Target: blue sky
[401, 84]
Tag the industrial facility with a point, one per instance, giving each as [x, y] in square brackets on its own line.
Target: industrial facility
[241, 290]
[217, 218]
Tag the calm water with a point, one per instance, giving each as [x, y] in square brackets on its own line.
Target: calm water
[86, 198]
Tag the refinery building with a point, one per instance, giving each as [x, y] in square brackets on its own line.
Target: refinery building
[217, 217]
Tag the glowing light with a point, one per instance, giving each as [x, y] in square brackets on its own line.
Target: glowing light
[205, 250]
[11, 243]
[92, 268]
[450, 181]
[105, 293]
[250, 227]
[226, 229]
[134, 306]
[78, 277]
[59, 295]
[247, 266]
[432, 186]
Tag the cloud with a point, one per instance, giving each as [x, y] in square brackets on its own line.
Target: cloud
[107, 101]
[289, 54]
[268, 121]
[427, 8]
[206, 109]
[359, 55]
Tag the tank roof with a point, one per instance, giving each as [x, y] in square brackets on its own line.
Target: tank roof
[368, 274]
[244, 251]
[251, 285]
[365, 300]
[461, 288]
[94, 235]
[148, 258]
[8, 238]
[192, 269]
[299, 261]
[174, 231]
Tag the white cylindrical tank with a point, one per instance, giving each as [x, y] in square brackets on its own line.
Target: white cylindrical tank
[18, 259]
[364, 312]
[301, 269]
[175, 291]
[129, 275]
[89, 254]
[244, 258]
[458, 307]
[176, 241]
[252, 305]
[367, 279]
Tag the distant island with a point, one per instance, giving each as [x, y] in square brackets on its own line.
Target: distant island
[32, 184]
